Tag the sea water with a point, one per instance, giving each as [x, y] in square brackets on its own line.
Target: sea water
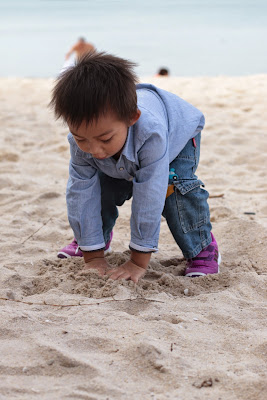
[189, 37]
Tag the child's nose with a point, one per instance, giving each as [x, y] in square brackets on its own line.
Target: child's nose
[93, 148]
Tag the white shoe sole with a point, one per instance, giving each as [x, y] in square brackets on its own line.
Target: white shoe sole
[66, 255]
[108, 251]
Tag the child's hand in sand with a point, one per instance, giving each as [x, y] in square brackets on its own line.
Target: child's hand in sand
[128, 270]
[99, 264]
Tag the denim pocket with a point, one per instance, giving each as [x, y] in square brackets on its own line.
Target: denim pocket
[185, 186]
[192, 204]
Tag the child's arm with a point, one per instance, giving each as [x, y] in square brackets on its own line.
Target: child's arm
[149, 193]
[83, 201]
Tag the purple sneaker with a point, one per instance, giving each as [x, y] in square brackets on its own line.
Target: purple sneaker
[72, 249]
[206, 262]
[108, 248]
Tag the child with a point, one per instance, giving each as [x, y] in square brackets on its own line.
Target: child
[132, 141]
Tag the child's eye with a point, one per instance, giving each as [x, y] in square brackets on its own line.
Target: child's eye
[107, 140]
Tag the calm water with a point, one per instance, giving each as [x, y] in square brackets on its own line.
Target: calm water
[190, 37]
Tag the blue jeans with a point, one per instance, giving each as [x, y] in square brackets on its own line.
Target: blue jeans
[186, 210]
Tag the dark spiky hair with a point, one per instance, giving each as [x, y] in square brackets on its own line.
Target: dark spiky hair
[98, 83]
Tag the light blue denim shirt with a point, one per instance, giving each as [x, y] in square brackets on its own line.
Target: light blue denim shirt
[166, 124]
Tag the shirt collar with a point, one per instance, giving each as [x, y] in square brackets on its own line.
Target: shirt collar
[128, 148]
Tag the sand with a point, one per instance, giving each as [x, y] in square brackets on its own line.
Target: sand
[66, 336]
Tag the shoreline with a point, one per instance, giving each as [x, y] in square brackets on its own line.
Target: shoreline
[147, 78]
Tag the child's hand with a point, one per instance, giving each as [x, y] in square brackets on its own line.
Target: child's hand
[128, 270]
[99, 264]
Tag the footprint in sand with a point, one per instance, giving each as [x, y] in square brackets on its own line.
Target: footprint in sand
[5, 183]
[44, 360]
[13, 157]
[220, 214]
[49, 195]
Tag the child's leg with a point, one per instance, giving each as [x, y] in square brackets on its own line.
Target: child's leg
[186, 209]
[114, 192]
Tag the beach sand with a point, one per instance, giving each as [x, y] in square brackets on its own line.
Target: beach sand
[65, 336]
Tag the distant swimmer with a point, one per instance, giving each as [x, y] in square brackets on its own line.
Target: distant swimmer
[80, 48]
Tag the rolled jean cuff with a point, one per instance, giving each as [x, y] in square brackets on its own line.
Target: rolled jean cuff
[94, 247]
[142, 249]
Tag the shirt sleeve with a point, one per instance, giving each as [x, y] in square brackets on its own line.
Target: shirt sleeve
[84, 201]
[149, 192]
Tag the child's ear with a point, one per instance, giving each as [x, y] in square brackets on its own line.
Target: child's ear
[135, 117]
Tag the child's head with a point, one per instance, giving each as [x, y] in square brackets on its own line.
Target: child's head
[97, 84]
[97, 99]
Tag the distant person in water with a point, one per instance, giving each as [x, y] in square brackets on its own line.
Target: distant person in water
[80, 48]
[163, 72]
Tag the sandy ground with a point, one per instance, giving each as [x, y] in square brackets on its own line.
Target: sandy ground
[65, 336]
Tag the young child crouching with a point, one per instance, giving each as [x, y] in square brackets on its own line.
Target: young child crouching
[132, 141]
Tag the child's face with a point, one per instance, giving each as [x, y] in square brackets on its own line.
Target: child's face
[103, 138]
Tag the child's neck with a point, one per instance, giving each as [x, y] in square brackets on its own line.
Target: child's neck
[117, 155]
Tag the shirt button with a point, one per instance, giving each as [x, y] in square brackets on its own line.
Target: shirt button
[121, 168]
